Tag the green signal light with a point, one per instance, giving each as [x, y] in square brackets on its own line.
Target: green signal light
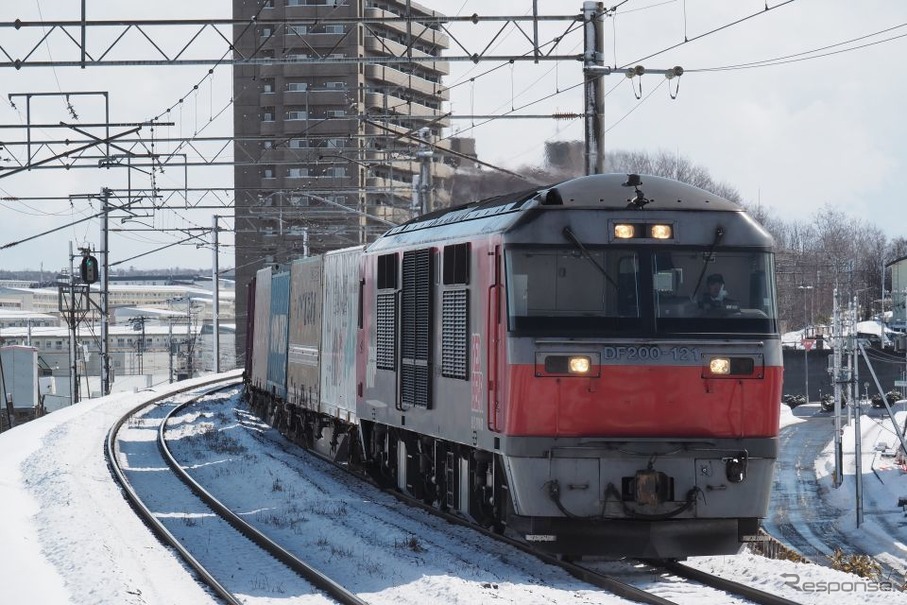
[89, 269]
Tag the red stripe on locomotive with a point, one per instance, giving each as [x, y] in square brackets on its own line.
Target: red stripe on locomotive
[642, 401]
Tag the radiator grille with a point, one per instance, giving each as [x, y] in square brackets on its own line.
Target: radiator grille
[386, 324]
[415, 337]
[454, 330]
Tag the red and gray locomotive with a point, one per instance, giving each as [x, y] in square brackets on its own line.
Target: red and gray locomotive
[593, 366]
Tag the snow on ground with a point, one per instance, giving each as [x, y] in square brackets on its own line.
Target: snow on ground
[69, 536]
[883, 529]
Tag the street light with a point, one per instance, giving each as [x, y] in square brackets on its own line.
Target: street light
[804, 341]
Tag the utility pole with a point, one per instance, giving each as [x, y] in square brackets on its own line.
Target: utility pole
[594, 86]
[858, 453]
[189, 347]
[805, 342]
[424, 154]
[138, 323]
[215, 306]
[70, 315]
[170, 347]
[839, 378]
[105, 289]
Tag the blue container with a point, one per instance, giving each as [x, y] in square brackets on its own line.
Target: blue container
[278, 334]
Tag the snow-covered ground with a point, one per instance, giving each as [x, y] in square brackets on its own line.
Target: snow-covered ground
[68, 536]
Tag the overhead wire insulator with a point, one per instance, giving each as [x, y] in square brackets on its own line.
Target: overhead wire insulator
[670, 75]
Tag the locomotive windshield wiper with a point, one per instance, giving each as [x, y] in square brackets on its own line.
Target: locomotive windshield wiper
[568, 233]
[719, 233]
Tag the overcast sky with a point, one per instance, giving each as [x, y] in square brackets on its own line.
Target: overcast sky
[795, 135]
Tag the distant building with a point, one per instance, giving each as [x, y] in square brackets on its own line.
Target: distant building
[14, 318]
[154, 329]
[41, 302]
[326, 152]
[565, 155]
[462, 146]
[898, 293]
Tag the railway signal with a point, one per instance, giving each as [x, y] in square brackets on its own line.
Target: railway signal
[89, 269]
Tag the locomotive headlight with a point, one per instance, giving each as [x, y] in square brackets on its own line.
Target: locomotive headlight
[579, 364]
[622, 231]
[736, 366]
[576, 366]
[661, 231]
[720, 365]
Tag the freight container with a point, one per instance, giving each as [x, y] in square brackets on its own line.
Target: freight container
[261, 329]
[340, 313]
[279, 331]
[304, 351]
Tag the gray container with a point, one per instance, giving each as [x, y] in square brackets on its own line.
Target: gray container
[261, 329]
[304, 354]
[340, 314]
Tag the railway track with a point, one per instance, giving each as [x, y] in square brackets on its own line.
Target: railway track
[629, 589]
[610, 582]
[171, 419]
[213, 540]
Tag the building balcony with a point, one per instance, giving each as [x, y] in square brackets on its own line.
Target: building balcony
[429, 35]
[389, 75]
[382, 47]
[309, 69]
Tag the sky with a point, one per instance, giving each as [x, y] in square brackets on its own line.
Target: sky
[809, 119]
[69, 535]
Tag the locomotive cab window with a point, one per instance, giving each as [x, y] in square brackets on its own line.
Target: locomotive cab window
[659, 291]
[713, 291]
[456, 264]
[563, 288]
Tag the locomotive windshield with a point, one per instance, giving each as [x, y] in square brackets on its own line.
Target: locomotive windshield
[615, 291]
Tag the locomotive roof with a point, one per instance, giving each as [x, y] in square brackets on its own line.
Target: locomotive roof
[610, 191]
[599, 191]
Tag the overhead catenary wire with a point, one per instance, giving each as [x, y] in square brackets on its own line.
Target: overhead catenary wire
[708, 33]
[809, 55]
[635, 108]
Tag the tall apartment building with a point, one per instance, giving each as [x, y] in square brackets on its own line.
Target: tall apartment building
[326, 144]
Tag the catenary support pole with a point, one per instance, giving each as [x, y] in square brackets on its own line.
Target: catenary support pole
[840, 378]
[105, 290]
[594, 86]
[215, 301]
[73, 334]
[858, 455]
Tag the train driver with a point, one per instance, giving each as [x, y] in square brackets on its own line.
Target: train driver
[715, 297]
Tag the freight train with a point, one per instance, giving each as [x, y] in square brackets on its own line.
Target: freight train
[594, 366]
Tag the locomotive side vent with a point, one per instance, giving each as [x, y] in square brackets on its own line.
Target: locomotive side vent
[415, 331]
[454, 341]
[386, 325]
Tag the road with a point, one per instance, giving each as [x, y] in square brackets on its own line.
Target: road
[814, 518]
